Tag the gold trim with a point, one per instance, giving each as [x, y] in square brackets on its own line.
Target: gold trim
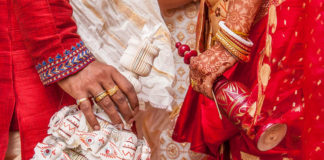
[163, 73]
[94, 11]
[236, 102]
[105, 29]
[130, 14]
[165, 35]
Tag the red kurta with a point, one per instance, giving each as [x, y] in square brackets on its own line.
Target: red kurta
[38, 44]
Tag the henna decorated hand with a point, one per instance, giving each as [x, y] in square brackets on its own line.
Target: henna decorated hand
[205, 68]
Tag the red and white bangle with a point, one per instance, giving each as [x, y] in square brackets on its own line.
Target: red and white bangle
[247, 42]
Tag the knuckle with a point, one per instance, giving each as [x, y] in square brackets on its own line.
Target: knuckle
[110, 69]
[120, 99]
[101, 73]
[130, 88]
[87, 82]
[107, 103]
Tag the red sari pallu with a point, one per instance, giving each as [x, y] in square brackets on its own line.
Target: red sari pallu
[38, 46]
[287, 68]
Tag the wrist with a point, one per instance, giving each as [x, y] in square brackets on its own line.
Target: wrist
[64, 64]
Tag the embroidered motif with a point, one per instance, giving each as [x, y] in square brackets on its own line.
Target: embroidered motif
[64, 64]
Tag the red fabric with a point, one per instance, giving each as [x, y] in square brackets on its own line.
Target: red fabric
[200, 124]
[31, 31]
[313, 145]
[293, 84]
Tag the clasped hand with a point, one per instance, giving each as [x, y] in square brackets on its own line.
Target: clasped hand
[97, 78]
[205, 68]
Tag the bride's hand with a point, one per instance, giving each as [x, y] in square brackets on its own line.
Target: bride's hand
[94, 80]
[205, 68]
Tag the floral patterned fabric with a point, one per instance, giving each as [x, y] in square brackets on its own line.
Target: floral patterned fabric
[182, 25]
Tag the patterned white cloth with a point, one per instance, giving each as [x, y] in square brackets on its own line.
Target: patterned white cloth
[182, 25]
[70, 138]
[131, 36]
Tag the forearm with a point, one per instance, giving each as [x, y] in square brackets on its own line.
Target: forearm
[241, 14]
[169, 4]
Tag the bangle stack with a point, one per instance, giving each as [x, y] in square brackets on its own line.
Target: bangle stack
[236, 45]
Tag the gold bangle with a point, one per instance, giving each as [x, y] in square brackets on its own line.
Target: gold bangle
[241, 33]
[231, 49]
[233, 44]
[248, 49]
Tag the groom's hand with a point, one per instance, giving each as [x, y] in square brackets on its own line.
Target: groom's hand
[94, 80]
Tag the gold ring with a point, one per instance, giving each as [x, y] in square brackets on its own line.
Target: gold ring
[79, 101]
[193, 83]
[101, 96]
[113, 90]
[100, 93]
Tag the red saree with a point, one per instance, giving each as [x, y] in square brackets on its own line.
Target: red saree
[288, 40]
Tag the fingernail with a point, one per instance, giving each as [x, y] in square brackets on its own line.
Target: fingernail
[96, 127]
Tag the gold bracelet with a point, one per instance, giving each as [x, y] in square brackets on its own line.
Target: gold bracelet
[241, 33]
[232, 50]
[234, 45]
[248, 49]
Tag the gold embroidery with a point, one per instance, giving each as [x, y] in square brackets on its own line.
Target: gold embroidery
[130, 14]
[238, 100]
[268, 47]
[175, 111]
[105, 28]
[265, 71]
[272, 18]
[163, 35]
[265, 74]
[246, 156]
[163, 73]
[111, 35]
[93, 10]
[252, 109]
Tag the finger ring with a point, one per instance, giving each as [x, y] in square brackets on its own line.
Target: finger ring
[100, 93]
[193, 83]
[113, 90]
[101, 96]
[79, 101]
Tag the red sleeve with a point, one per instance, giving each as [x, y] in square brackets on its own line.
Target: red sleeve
[51, 38]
